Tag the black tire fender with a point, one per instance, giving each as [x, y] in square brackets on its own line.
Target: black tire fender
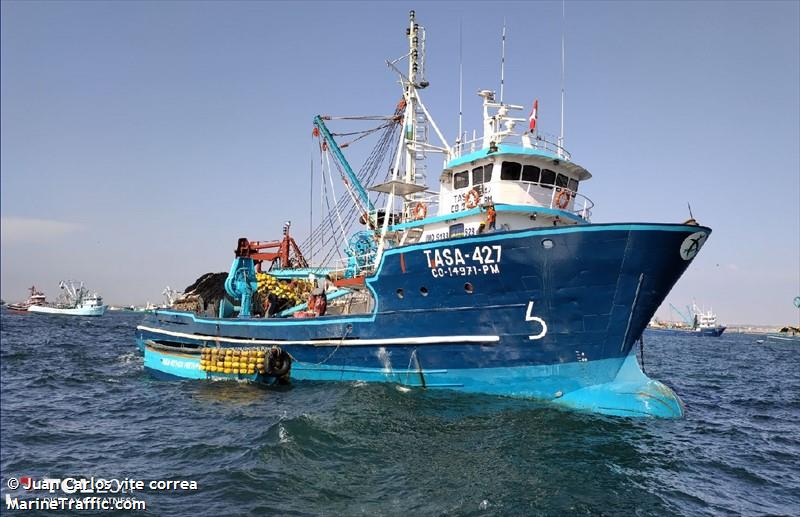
[280, 363]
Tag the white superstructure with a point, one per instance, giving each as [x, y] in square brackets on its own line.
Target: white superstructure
[75, 300]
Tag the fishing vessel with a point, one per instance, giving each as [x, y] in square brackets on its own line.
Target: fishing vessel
[786, 334]
[789, 333]
[34, 298]
[75, 300]
[696, 321]
[496, 282]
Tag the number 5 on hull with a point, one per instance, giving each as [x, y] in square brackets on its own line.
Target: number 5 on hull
[530, 317]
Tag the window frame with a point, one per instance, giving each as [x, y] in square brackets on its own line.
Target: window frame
[573, 184]
[503, 171]
[477, 173]
[528, 167]
[542, 183]
[461, 174]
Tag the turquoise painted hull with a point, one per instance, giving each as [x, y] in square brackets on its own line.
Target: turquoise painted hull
[571, 385]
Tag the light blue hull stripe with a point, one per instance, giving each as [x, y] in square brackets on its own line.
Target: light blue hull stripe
[598, 386]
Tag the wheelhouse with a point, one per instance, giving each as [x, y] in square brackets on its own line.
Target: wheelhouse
[521, 178]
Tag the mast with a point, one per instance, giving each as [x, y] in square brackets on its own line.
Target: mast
[563, 30]
[413, 68]
[502, 60]
[459, 141]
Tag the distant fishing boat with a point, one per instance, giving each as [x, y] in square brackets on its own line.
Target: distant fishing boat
[34, 298]
[787, 334]
[497, 283]
[695, 322]
[75, 300]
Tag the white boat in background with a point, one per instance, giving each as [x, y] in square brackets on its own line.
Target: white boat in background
[786, 334]
[75, 300]
[35, 298]
[695, 320]
[170, 296]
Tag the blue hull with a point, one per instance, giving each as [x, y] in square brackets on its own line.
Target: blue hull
[708, 332]
[546, 313]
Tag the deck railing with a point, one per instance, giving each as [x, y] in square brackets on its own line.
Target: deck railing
[526, 139]
[570, 201]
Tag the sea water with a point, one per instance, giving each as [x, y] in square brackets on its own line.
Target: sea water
[76, 403]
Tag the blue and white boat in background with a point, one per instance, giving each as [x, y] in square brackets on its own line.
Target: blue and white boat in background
[495, 283]
[75, 300]
[707, 324]
[697, 321]
[787, 334]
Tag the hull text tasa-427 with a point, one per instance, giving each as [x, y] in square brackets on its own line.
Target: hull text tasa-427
[495, 283]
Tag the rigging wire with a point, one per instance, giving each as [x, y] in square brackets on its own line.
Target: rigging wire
[311, 205]
[328, 244]
[368, 171]
[365, 131]
[333, 195]
[366, 175]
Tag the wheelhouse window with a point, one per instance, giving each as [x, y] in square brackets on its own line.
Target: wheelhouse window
[510, 171]
[531, 173]
[562, 181]
[547, 179]
[573, 185]
[456, 230]
[461, 180]
[482, 174]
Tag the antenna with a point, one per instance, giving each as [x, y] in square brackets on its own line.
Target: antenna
[502, 60]
[690, 210]
[563, 30]
[460, 77]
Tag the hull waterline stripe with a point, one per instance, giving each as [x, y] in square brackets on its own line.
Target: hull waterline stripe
[425, 340]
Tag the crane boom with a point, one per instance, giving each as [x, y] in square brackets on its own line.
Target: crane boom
[687, 318]
[337, 152]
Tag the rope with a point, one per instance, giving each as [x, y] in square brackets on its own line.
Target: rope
[360, 117]
[333, 194]
[347, 330]
[365, 131]
[382, 151]
[311, 207]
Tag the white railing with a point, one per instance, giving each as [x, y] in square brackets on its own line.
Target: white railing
[412, 210]
[365, 266]
[560, 198]
[539, 141]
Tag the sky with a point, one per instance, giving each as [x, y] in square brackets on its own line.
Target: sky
[139, 140]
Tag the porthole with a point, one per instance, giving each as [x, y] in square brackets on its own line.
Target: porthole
[547, 244]
[400, 293]
[468, 288]
[423, 291]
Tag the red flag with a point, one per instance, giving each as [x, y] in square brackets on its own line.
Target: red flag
[534, 115]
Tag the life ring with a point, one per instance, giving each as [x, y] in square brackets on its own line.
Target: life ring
[472, 199]
[562, 199]
[420, 211]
